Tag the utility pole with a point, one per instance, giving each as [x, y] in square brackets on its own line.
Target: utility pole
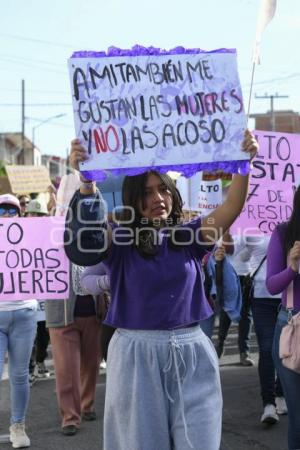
[271, 97]
[23, 119]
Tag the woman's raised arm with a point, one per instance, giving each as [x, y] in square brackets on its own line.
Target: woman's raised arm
[217, 223]
[87, 234]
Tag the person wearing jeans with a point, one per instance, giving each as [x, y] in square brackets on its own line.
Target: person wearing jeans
[290, 383]
[265, 309]
[17, 332]
[283, 276]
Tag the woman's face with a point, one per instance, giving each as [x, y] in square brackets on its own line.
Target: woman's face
[158, 199]
[23, 204]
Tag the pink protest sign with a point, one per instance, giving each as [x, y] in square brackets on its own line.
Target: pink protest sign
[274, 178]
[33, 264]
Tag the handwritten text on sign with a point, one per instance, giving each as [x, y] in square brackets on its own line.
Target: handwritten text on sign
[274, 178]
[25, 179]
[33, 263]
[200, 195]
[209, 196]
[158, 110]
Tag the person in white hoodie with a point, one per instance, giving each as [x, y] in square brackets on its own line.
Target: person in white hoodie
[17, 332]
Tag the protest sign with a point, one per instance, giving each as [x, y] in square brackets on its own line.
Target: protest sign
[200, 195]
[27, 179]
[209, 196]
[33, 264]
[274, 178]
[146, 108]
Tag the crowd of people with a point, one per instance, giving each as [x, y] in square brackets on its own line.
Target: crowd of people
[166, 293]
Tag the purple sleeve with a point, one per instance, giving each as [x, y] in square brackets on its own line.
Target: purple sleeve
[196, 233]
[90, 277]
[279, 275]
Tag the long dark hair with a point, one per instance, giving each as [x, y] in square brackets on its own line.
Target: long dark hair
[134, 195]
[293, 226]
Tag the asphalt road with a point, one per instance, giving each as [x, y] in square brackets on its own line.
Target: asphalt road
[241, 417]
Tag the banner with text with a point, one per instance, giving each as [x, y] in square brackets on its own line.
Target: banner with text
[173, 111]
[200, 195]
[209, 196]
[33, 264]
[26, 179]
[274, 178]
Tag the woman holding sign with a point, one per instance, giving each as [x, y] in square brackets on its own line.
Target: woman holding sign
[163, 387]
[17, 333]
[283, 260]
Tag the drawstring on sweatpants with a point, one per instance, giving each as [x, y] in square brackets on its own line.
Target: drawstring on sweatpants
[175, 351]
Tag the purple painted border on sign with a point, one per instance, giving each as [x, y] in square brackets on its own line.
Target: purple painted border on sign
[138, 50]
[188, 170]
[241, 167]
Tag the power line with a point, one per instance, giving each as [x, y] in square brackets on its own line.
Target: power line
[22, 58]
[32, 65]
[273, 80]
[37, 41]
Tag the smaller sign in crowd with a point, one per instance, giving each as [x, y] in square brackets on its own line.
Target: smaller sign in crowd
[33, 264]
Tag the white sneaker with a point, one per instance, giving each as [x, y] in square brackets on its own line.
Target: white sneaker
[269, 416]
[18, 436]
[281, 407]
[103, 365]
[42, 371]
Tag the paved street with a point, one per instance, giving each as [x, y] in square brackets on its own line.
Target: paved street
[242, 410]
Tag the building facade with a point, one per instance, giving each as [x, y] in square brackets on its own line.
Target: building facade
[14, 150]
[282, 121]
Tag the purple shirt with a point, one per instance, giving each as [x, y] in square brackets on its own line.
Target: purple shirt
[279, 275]
[158, 293]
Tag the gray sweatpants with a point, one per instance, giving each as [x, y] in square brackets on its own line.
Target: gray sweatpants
[163, 391]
